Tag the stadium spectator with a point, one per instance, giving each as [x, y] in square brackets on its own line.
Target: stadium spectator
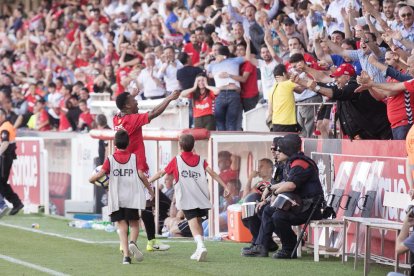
[228, 102]
[203, 96]
[281, 108]
[168, 70]
[357, 121]
[305, 113]
[152, 86]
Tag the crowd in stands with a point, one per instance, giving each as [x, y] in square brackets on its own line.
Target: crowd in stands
[226, 56]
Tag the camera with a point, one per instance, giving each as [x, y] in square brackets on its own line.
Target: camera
[410, 211]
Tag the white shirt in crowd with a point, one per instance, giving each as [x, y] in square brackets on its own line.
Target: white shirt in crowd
[266, 73]
[150, 87]
[170, 76]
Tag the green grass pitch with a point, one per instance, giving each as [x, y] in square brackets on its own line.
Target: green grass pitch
[74, 251]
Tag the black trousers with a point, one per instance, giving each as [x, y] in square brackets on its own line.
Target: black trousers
[266, 230]
[5, 189]
[253, 224]
[148, 217]
[283, 222]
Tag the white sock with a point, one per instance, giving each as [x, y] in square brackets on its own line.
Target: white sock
[199, 240]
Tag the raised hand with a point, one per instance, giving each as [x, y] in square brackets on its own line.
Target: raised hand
[174, 95]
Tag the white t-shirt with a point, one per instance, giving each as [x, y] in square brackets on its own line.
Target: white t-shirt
[170, 76]
[266, 73]
[150, 87]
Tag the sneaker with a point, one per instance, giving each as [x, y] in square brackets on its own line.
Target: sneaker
[155, 245]
[133, 248]
[4, 211]
[284, 254]
[201, 254]
[194, 256]
[126, 260]
[16, 209]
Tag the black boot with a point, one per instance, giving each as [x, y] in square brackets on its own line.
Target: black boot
[284, 254]
[16, 209]
[256, 251]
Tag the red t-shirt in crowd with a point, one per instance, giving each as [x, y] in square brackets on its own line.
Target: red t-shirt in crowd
[409, 85]
[87, 118]
[396, 112]
[249, 89]
[42, 118]
[309, 60]
[204, 105]
[189, 158]
[120, 74]
[228, 175]
[121, 156]
[80, 63]
[64, 123]
[132, 123]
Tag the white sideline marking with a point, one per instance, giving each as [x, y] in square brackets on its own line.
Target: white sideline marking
[77, 239]
[34, 266]
[56, 235]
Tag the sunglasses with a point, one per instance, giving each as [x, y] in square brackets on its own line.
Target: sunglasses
[275, 149]
[406, 15]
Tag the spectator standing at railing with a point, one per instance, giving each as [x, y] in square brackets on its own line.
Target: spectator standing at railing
[131, 121]
[203, 96]
[228, 102]
[360, 115]
[266, 64]
[399, 107]
[305, 113]
[281, 108]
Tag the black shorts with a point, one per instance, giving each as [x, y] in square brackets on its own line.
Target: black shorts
[125, 214]
[193, 213]
[324, 112]
[284, 128]
[185, 228]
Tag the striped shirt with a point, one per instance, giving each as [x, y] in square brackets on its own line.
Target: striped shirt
[373, 71]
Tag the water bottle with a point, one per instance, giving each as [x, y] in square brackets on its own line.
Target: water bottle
[110, 228]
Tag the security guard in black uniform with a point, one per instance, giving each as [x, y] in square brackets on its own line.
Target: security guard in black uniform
[253, 223]
[301, 180]
[261, 226]
[7, 155]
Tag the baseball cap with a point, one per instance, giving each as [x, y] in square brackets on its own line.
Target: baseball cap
[288, 21]
[344, 69]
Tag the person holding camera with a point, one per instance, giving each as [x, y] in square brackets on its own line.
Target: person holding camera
[300, 183]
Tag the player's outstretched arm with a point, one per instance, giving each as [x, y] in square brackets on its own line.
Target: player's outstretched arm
[163, 105]
[156, 176]
[146, 183]
[217, 178]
